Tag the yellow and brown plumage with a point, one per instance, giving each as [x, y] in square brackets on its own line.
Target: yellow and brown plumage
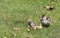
[49, 7]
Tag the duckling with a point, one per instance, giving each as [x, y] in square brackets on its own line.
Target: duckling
[49, 7]
[45, 20]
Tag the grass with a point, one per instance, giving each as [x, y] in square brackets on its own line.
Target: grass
[15, 13]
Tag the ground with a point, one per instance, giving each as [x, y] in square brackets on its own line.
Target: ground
[15, 13]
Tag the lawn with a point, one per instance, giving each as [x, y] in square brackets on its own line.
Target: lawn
[15, 13]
